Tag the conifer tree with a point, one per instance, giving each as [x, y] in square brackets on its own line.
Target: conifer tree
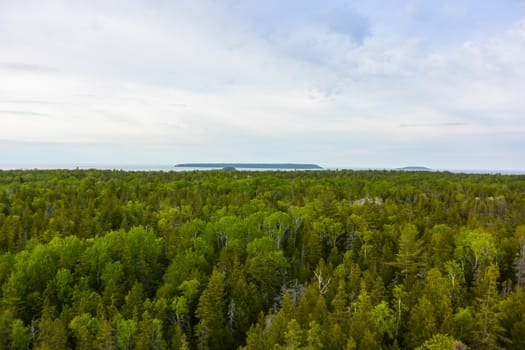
[408, 256]
[279, 321]
[487, 319]
[422, 323]
[20, 337]
[211, 330]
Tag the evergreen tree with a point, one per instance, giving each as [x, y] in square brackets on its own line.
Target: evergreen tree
[408, 256]
[422, 323]
[20, 337]
[211, 330]
[513, 319]
[279, 321]
[51, 333]
[487, 319]
[441, 342]
[293, 336]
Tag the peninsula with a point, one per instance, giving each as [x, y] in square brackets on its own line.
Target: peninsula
[269, 166]
[415, 168]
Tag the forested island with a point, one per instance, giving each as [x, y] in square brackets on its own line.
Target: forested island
[272, 166]
[100, 259]
[415, 168]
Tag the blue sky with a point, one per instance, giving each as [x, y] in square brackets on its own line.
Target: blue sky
[371, 83]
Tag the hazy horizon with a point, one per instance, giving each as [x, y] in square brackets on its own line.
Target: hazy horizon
[172, 167]
[361, 84]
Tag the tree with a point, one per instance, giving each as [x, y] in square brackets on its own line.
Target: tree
[126, 333]
[211, 330]
[6, 318]
[256, 338]
[329, 260]
[106, 339]
[328, 229]
[441, 244]
[51, 333]
[20, 337]
[340, 308]
[84, 328]
[441, 342]
[141, 251]
[513, 319]
[293, 336]
[435, 290]
[464, 323]
[476, 247]
[408, 256]
[134, 302]
[179, 340]
[276, 225]
[279, 321]
[364, 327]
[266, 267]
[243, 305]
[519, 264]
[385, 318]
[487, 320]
[314, 336]
[112, 280]
[422, 323]
[149, 335]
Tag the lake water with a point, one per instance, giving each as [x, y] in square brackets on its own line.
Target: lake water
[153, 167]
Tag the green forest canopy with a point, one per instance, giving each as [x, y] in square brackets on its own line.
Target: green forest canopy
[95, 259]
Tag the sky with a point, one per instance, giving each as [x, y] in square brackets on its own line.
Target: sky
[358, 84]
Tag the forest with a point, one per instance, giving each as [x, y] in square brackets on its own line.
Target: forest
[339, 259]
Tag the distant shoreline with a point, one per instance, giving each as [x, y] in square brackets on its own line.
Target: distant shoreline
[286, 166]
[167, 168]
[415, 168]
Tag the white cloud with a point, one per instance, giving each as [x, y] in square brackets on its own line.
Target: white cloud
[185, 76]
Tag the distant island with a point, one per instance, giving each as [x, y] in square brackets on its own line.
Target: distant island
[415, 168]
[278, 166]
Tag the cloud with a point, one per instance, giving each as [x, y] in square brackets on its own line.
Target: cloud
[29, 102]
[350, 24]
[432, 125]
[25, 67]
[23, 113]
[282, 79]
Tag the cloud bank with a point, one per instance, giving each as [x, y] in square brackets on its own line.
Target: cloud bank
[362, 85]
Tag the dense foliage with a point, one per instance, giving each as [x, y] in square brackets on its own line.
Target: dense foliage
[262, 260]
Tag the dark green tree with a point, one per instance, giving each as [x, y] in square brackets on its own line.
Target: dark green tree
[211, 330]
